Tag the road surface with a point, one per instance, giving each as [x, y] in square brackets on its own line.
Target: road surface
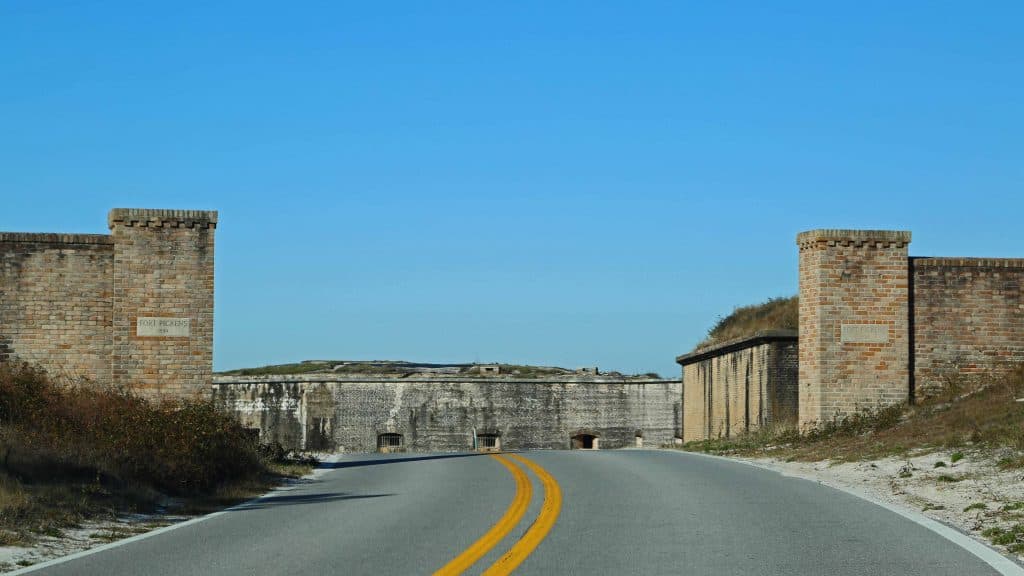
[551, 512]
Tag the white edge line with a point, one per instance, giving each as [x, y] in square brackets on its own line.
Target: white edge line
[989, 555]
[317, 472]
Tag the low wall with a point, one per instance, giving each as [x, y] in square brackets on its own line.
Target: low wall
[740, 386]
[967, 317]
[328, 412]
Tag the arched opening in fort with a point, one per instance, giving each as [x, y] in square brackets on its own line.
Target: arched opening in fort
[488, 442]
[639, 438]
[389, 442]
[585, 441]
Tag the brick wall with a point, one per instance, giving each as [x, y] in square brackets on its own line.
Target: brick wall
[163, 268]
[55, 302]
[854, 322]
[432, 414]
[71, 303]
[968, 317]
[740, 386]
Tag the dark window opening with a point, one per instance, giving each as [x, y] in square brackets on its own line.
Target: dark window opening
[488, 442]
[584, 442]
[389, 442]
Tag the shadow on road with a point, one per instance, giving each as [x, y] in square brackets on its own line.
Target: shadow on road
[296, 499]
[377, 461]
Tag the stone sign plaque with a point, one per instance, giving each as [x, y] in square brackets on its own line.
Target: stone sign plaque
[168, 327]
[864, 334]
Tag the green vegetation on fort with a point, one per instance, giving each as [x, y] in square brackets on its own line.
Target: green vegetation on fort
[400, 368]
[775, 314]
[71, 453]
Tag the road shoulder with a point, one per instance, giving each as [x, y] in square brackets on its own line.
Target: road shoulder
[911, 487]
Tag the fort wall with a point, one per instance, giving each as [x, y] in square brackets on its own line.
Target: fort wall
[55, 302]
[854, 322]
[968, 318]
[740, 386]
[134, 308]
[329, 412]
[163, 274]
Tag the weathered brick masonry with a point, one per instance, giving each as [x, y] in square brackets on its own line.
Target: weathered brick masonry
[135, 309]
[877, 327]
[56, 302]
[854, 319]
[163, 268]
[968, 317]
[740, 386]
[441, 414]
[72, 303]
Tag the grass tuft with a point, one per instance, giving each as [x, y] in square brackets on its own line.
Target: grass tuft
[775, 314]
[1011, 537]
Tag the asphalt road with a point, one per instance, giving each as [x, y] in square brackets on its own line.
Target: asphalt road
[621, 512]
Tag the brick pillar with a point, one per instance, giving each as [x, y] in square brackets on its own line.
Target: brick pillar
[163, 300]
[854, 323]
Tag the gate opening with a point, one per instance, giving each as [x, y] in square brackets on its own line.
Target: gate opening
[584, 441]
[488, 443]
[389, 442]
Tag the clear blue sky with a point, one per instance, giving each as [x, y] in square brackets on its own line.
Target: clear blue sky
[572, 183]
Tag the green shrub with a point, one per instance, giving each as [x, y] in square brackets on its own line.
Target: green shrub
[1012, 537]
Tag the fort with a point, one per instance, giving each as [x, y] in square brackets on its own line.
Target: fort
[876, 327]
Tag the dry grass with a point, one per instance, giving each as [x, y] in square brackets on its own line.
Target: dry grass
[983, 414]
[775, 314]
[70, 454]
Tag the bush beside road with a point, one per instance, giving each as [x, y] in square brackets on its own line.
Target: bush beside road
[82, 465]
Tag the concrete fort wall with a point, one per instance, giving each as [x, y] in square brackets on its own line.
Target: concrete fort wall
[133, 309]
[968, 318]
[740, 386]
[327, 412]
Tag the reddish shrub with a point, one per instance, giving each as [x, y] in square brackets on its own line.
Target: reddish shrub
[178, 447]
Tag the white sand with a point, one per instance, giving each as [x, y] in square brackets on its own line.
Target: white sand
[886, 480]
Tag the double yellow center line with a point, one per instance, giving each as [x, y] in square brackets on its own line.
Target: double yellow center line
[531, 539]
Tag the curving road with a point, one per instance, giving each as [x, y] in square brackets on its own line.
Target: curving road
[619, 512]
